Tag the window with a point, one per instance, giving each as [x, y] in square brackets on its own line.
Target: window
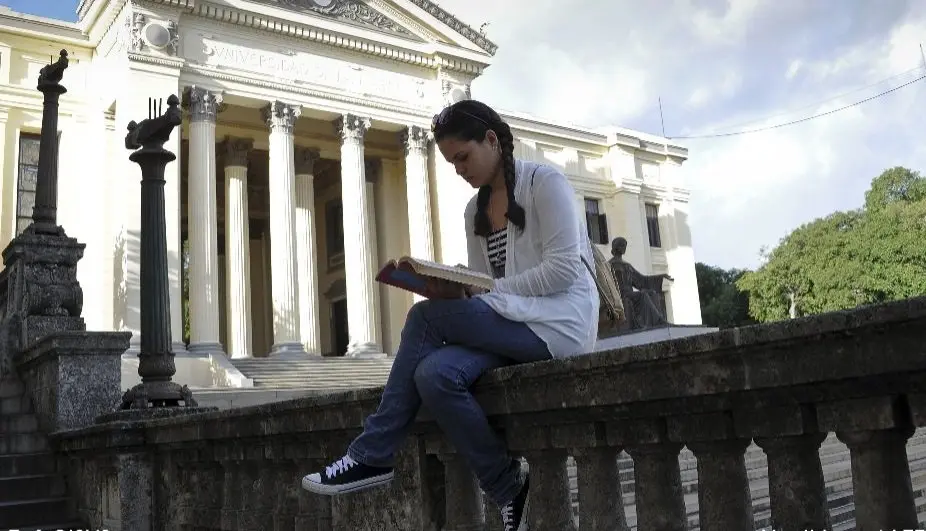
[652, 225]
[334, 232]
[26, 178]
[596, 222]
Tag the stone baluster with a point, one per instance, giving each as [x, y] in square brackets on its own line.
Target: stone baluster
[876, 431]
[724, 501]
[281, 118]
[797, 491]
[601, 503]
[462, 495]
[358, 241]
[237, 246]
[658, 495]
[883, 493]
[550, 498]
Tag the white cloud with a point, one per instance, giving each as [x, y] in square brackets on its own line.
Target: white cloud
[718, 64]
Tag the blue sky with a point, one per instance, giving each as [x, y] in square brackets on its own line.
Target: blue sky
[60, 9]
[719, 66]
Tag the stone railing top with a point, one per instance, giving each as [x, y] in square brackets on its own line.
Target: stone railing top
[76, 343]
[811, 359]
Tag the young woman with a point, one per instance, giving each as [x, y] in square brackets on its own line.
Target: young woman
[522, 228]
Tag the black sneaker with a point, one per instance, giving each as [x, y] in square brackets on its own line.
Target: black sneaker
[514, 514]
[346, 475]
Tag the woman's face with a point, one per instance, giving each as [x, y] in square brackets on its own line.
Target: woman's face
[476, 162]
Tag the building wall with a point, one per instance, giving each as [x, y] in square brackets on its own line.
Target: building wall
[99, 188]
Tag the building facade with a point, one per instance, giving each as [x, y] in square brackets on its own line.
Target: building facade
[304, 162]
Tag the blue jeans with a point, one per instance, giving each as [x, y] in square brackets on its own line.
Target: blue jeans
[446, 345]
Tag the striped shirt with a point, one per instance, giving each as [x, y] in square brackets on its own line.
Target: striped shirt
[496, 247]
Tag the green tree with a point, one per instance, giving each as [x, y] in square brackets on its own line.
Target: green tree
[873, 254]
[723, 304]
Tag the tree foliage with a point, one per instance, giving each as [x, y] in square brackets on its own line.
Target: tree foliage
[723, 304]
[873, 254]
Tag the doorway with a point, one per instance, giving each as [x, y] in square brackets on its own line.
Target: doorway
[339, 332]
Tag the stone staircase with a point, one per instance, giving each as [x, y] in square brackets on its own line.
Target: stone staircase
[32, 494]
[837, 473]
[315, 374]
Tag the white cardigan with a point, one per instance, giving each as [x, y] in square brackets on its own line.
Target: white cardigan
[546, 285]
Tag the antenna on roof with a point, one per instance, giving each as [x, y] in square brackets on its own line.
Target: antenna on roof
[662, 121]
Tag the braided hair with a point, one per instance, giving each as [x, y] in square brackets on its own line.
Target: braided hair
[474, 120]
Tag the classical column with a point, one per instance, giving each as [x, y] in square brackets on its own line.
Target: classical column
[202, 225]
[237, 247]
[417, 188]
[281, 118]
[358, 263]
[307, 253]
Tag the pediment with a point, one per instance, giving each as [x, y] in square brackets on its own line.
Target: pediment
[416, 20]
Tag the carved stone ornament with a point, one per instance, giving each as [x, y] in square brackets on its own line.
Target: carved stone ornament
[236, 150]
[463, 29]
[173, 46]
[354, 11]
[281, 117]
[305, 159]
[416, 140]
[204, 104]
[136, 23]
[352, 128]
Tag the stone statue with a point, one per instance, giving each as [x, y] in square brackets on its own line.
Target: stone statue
[640, 306]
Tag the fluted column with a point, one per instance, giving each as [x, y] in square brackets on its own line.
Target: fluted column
[281, 118]
[358, 263]
[203, 269]
[237, 247]
[307, 249]
[418, 192]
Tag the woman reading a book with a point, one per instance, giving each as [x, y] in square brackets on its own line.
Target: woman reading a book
[523, 230]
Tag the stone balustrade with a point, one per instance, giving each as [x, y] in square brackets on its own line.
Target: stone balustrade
[858, 376]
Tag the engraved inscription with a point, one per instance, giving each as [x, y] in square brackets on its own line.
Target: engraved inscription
[307, 69]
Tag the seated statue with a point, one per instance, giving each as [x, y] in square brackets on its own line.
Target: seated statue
[640, 306]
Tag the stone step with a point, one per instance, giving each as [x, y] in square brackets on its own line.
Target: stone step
[22, 488]
[22, 443]
[19, 423]
[26, 464]
[14, 405]
[10, 388]
[15, 514]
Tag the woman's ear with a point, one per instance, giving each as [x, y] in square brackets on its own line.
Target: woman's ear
[492, 139]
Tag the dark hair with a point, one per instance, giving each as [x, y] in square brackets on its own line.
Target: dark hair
[470, 120]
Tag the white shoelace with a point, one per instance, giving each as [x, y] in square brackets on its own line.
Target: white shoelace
[508, 517]
[341, 465]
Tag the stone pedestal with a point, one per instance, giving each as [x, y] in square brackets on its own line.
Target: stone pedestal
[73, 377]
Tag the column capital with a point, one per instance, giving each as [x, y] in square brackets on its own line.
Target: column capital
[352, 128]
[236, 150]
[204, 104]
[281, 116]
[416, 139]
[306, 157]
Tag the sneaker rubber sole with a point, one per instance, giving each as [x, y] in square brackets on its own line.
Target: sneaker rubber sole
[345, 488]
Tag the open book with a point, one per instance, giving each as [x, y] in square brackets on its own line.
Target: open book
[410, 274]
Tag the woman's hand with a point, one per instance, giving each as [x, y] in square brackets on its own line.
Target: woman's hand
[438, 288]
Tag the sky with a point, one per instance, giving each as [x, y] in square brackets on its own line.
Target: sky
[718, 66]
